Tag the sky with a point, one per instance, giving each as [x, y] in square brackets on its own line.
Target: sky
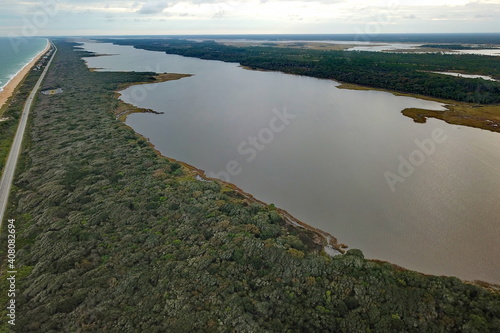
[171, 17]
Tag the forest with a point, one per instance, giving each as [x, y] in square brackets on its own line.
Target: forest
[113, 237]
[406, 73]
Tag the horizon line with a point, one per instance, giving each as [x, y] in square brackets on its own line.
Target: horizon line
[258, 34]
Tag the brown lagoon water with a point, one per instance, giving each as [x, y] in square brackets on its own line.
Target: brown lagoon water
[423, 196]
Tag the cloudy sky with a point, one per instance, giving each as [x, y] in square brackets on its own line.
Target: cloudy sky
[164, 17]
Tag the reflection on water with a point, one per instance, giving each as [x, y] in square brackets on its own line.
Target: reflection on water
[386, 47]
[489, 52]
[344, 161]
[467, 76]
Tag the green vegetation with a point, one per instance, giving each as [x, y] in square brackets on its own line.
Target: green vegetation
[11, 111]
[485, 117]
[113, 237]
[124, 110]
[407, 73]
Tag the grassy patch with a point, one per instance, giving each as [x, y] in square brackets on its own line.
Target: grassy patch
[486, 117]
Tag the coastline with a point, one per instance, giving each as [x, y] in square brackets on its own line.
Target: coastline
[13, 83]
[330, 244]
[321, 237]
[482, 116]
[126, 109]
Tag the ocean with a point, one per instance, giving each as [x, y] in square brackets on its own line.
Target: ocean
[15, 53]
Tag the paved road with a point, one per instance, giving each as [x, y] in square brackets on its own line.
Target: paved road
[10, 167]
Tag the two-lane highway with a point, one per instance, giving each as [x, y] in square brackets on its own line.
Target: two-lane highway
[10, 167]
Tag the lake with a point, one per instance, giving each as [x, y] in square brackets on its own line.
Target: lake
[423, 196]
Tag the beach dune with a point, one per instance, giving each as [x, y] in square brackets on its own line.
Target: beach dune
[15, 81]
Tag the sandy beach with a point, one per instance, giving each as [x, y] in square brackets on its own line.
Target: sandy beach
[11, 86]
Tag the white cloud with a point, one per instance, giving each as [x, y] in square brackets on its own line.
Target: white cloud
[153, 7]
[255, 16]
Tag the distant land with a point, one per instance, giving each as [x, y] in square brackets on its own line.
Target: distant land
[472, 38]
